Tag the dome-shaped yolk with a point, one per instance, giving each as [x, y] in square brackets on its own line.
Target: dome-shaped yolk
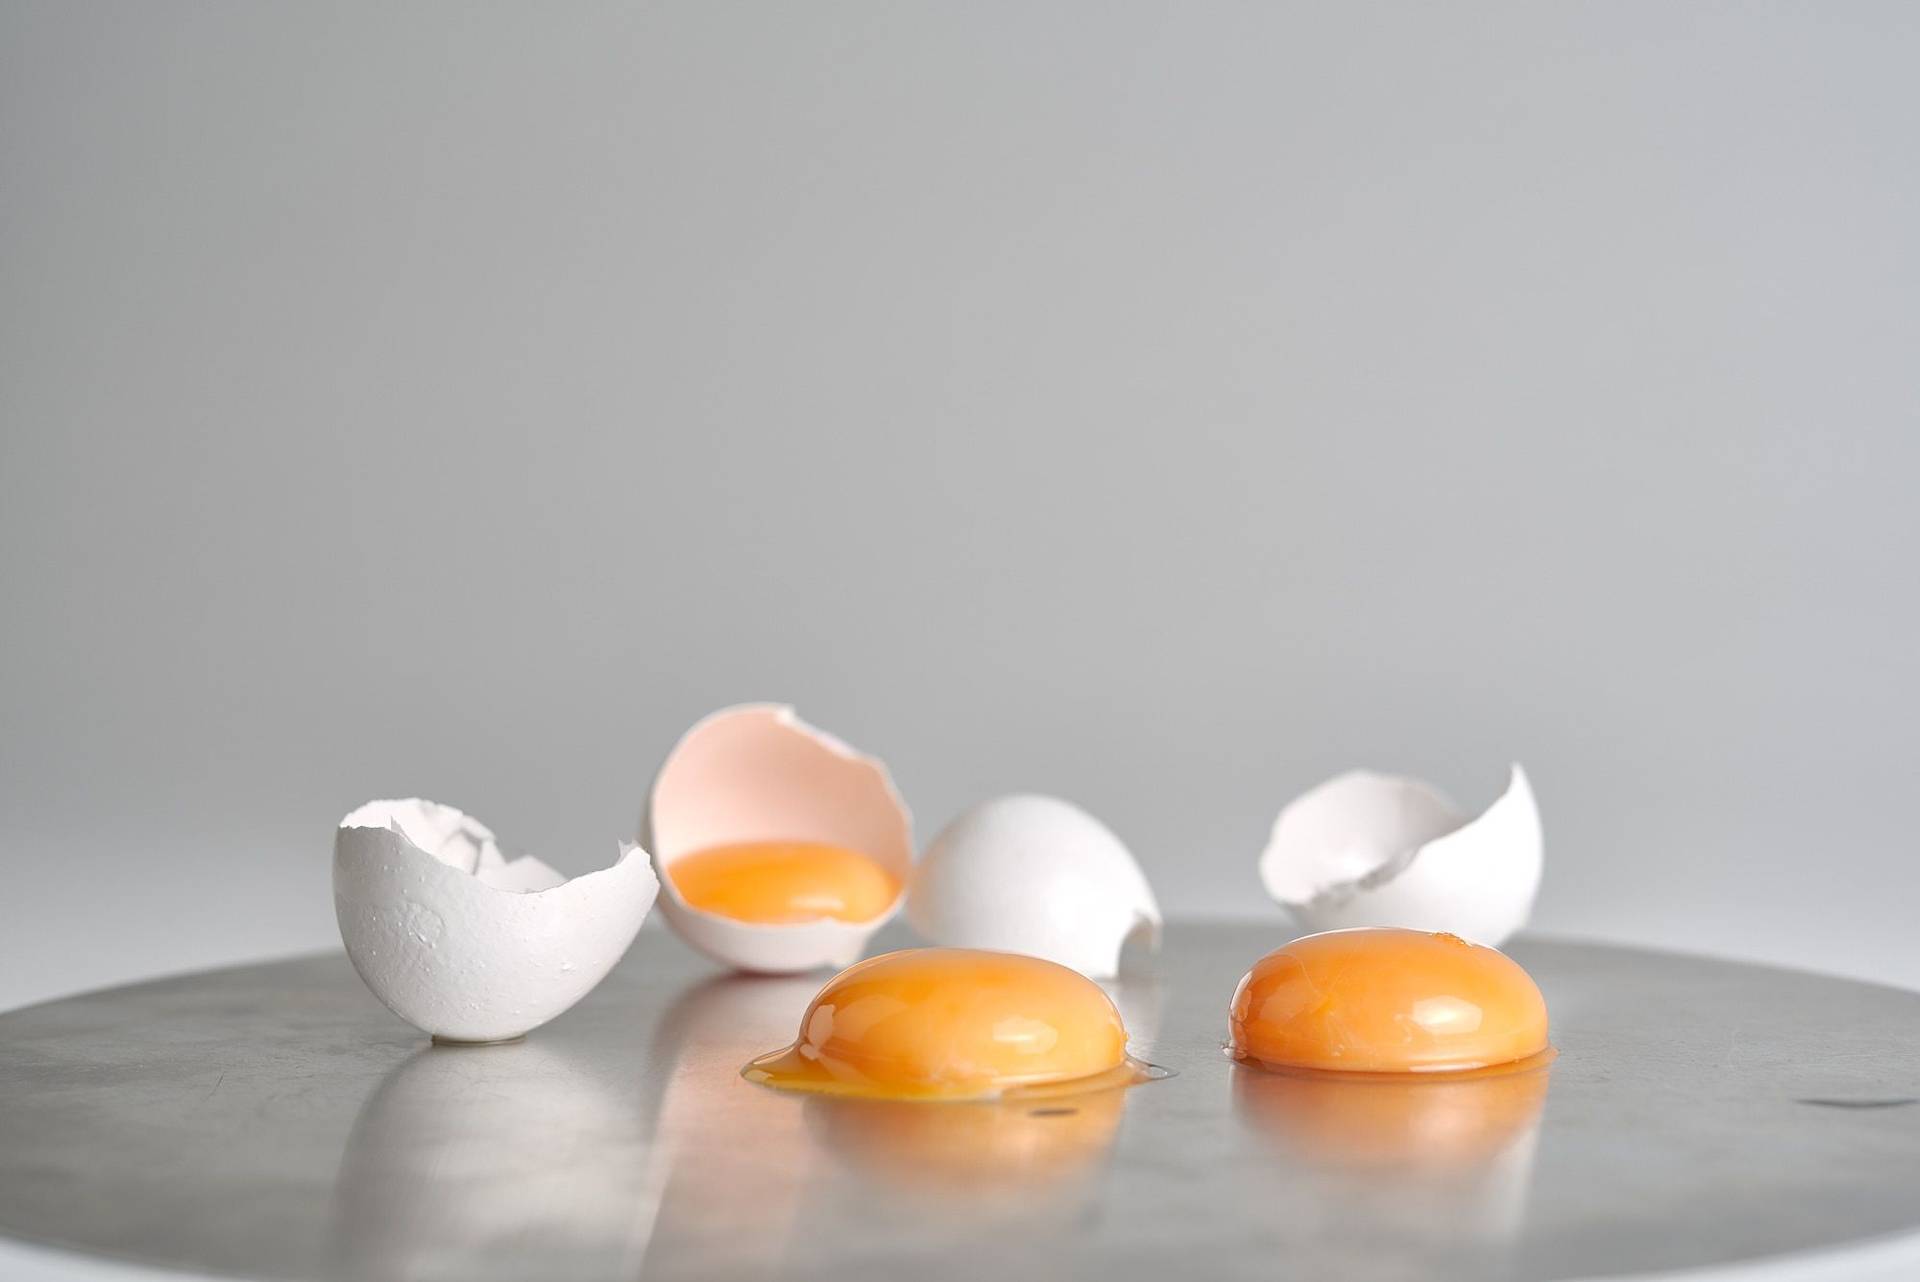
[951, 1023]
[1387, 1001]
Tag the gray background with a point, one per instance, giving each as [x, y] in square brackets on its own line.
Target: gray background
[1166, 406]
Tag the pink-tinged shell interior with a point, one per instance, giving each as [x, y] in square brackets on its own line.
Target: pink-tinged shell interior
[759, 773]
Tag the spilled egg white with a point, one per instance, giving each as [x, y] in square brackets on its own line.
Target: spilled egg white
[1035, 875]
[1365, 849]
[756, 772]
[464, 943]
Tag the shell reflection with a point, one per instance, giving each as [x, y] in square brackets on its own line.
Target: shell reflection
[721, 1143]
[465, 1158]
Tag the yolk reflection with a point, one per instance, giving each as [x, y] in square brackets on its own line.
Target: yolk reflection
[996, 1146]
[784, 881]
[1387, 1001]
[954, 1023]
[1434, 1122]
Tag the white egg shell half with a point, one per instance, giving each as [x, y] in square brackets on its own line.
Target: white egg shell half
[1034, 875]
[1364, 849]
[462, 942]
[756, 772]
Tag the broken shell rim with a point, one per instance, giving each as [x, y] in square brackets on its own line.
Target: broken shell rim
[413, 849]
[787, 717]
[1390, 870]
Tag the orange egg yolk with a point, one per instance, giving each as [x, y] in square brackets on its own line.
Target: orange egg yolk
[1387, 1001]
[953, 1023]
[784, 881]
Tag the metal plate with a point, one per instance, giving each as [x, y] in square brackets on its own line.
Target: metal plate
[274, 1121]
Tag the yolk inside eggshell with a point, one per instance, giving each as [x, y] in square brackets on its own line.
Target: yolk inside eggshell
[777, 882]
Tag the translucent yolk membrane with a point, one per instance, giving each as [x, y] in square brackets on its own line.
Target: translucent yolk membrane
[1387, 1001]
[780, 882]
[955, 1023]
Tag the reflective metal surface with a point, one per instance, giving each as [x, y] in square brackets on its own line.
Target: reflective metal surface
[274, 1121]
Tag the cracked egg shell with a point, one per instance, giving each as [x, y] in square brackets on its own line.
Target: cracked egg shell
[758, 773]
[1035, 875]
[464, 943]
[1366, 849]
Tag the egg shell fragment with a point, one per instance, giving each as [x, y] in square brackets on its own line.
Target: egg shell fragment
[1036, 875]
[757, 772]
[466, 944]
[1366, 849]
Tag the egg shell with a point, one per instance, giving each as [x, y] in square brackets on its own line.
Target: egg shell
[1365, 849]
[462, 942]
[1036, 875]
[757, 772]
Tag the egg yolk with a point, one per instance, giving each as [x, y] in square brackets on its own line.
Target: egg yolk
[953, 1023]
[1387, 1001]
[784, 881]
